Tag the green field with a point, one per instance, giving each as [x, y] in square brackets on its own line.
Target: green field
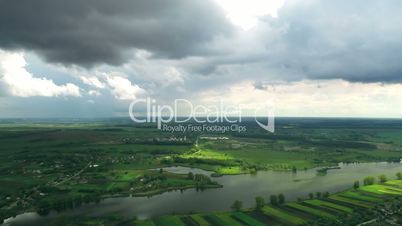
[282, 215]
[322, 203]
[48, 166]
[334, 210]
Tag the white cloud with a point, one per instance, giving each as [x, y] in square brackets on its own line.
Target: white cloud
[92, 81]
[173, 77]
[159, 71]
[245, 13]
[114, 80]
[322, 98]
[122, 88]
[19, 82]
[94, 93]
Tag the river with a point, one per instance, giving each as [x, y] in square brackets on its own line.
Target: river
[240, 187]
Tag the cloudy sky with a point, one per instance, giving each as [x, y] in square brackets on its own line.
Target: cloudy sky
[91, 58]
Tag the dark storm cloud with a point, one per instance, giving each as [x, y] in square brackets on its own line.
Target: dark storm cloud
[358, 41]
[87, 32]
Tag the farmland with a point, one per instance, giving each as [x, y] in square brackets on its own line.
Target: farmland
[56, 166]
[344, 208]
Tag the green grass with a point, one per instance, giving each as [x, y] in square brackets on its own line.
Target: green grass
[118, 185]
[247, 219]
[310, 210]
[127, 175]
[207, 154]
[200, 220]
[381, 189]
[317, 202]
[170, 221]
[145, 223]
[360, 196]
[397, 183]
[226, 219]
[350, 201]
[282, 215]
[230, 170]
[216, 220]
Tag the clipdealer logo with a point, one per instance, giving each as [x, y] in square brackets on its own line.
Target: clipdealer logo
[199, 118]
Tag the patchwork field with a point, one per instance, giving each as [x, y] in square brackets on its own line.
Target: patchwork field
[55, 166]
[346, 208]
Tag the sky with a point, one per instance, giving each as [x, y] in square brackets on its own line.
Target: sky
[308, 58]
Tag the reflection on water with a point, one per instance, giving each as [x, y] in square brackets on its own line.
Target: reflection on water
[240, 187]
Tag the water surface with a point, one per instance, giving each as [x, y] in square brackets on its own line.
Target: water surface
[240, 187]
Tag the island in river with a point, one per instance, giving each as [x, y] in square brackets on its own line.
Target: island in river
[61, 166]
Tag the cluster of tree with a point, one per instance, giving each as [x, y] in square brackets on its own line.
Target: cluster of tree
[259, 202]
[203, 161]
[202, 181]
[157, 142]
[7, 213]
[371, 180]
[46, 205]
[237, 205]
[382, 178]
[270, 136]
[163, 152]
[318, 195]
[149, 177]
[198, 177]
[201, 178]
[368, 180]
[277, 199]
[356, 184]
[274, 200]
[341, 144]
